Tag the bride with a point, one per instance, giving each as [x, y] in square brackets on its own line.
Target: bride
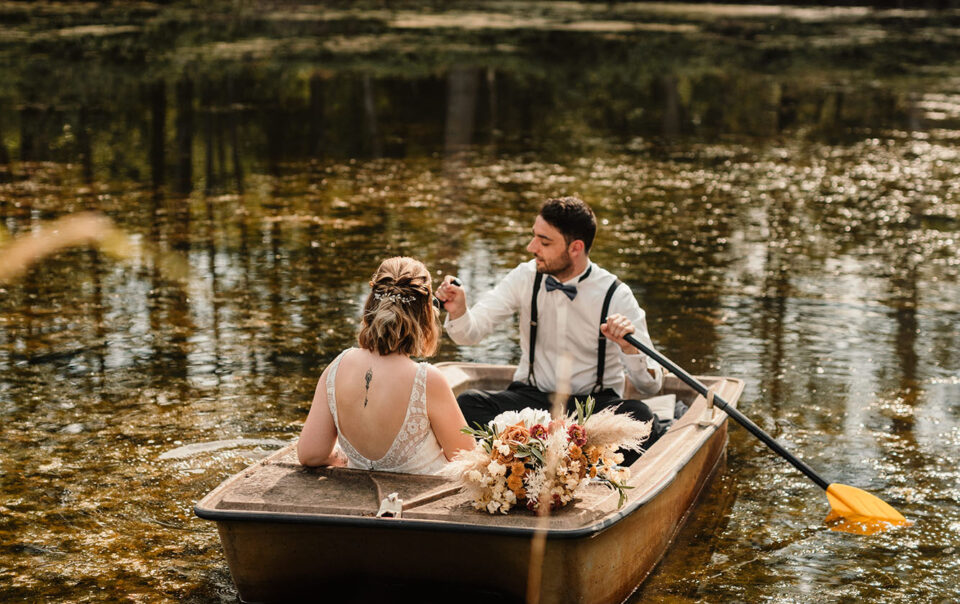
[386, 411]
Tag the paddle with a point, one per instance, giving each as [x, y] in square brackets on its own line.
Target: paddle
[852, 510]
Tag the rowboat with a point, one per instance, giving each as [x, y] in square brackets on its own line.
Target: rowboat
[290, 532]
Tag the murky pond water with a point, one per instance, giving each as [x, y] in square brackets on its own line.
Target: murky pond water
[780, 186]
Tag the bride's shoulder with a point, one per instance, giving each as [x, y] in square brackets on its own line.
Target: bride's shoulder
[341, 357]
[436, 379]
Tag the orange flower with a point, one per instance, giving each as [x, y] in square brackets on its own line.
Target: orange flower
[515, 483]
[576, 454]
[593, 454]
[517, 434]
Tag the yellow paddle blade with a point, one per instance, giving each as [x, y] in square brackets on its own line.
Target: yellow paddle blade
[856, 511]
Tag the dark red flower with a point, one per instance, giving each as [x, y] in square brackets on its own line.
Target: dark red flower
[577, 434]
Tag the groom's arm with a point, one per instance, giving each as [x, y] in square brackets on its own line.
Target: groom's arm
[493, 308]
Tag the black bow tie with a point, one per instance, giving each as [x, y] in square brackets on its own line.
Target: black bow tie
[552, 284]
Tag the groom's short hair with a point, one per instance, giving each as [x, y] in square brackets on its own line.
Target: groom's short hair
[572, 217]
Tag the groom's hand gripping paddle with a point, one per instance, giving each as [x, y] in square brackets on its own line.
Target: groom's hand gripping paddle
[851, 509]
[437, 302]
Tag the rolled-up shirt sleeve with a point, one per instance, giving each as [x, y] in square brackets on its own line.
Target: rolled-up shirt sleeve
[644, 373]
[492, 309]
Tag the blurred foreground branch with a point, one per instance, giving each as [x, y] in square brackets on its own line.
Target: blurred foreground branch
[17, 255]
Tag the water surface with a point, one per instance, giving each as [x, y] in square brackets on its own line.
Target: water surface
[779, 186]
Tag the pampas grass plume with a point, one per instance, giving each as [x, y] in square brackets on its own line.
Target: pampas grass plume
[607, 428]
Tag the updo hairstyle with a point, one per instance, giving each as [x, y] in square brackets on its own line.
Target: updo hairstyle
[399, 315]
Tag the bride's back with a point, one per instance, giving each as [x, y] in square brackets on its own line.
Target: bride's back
[370, 412]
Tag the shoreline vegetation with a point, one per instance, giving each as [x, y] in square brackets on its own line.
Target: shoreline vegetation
[125, 90]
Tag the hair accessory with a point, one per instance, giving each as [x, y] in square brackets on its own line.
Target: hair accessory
[394, 297]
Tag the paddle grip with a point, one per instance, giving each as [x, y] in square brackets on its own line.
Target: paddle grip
[729, 410]
[440, 303]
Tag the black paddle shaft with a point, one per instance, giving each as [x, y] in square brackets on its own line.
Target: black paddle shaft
[742, 419]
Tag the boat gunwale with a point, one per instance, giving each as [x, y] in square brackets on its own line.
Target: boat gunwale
[416, 524]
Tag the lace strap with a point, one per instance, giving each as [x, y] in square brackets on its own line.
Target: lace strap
[418, 394]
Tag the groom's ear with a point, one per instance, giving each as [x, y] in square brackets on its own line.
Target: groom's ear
[576, 247]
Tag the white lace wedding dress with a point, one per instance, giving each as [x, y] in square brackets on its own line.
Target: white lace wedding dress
[415, 450]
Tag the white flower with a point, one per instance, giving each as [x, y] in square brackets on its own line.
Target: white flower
[474, 475]
[558, 441]
[533, 482]
[496, 469]
[528, 417]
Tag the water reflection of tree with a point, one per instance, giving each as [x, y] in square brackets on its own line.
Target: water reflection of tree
[462, 90]
[600, 87]
[5, 173]
[184, 133]
[905, 296]
[157, 91]
[776, 293]
[168, 306]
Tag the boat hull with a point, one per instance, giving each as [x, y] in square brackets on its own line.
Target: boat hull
[279, 556]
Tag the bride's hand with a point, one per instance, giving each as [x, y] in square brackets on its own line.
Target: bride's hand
[337, 459]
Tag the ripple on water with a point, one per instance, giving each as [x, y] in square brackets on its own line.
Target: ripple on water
[194, 449]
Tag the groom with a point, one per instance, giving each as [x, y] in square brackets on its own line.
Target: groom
[567, 305]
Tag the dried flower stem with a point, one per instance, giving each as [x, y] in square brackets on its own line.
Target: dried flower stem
[538, 543]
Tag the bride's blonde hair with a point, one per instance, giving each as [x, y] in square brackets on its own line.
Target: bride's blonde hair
[399, 315]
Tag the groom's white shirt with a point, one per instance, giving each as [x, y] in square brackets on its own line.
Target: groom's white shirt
[564, 327]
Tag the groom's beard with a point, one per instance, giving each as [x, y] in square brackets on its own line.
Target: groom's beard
[557, 267]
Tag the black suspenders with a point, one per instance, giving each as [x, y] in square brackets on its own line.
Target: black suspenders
[533, 327]
[601, 339]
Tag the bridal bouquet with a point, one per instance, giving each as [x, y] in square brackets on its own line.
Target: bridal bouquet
[525, 458]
